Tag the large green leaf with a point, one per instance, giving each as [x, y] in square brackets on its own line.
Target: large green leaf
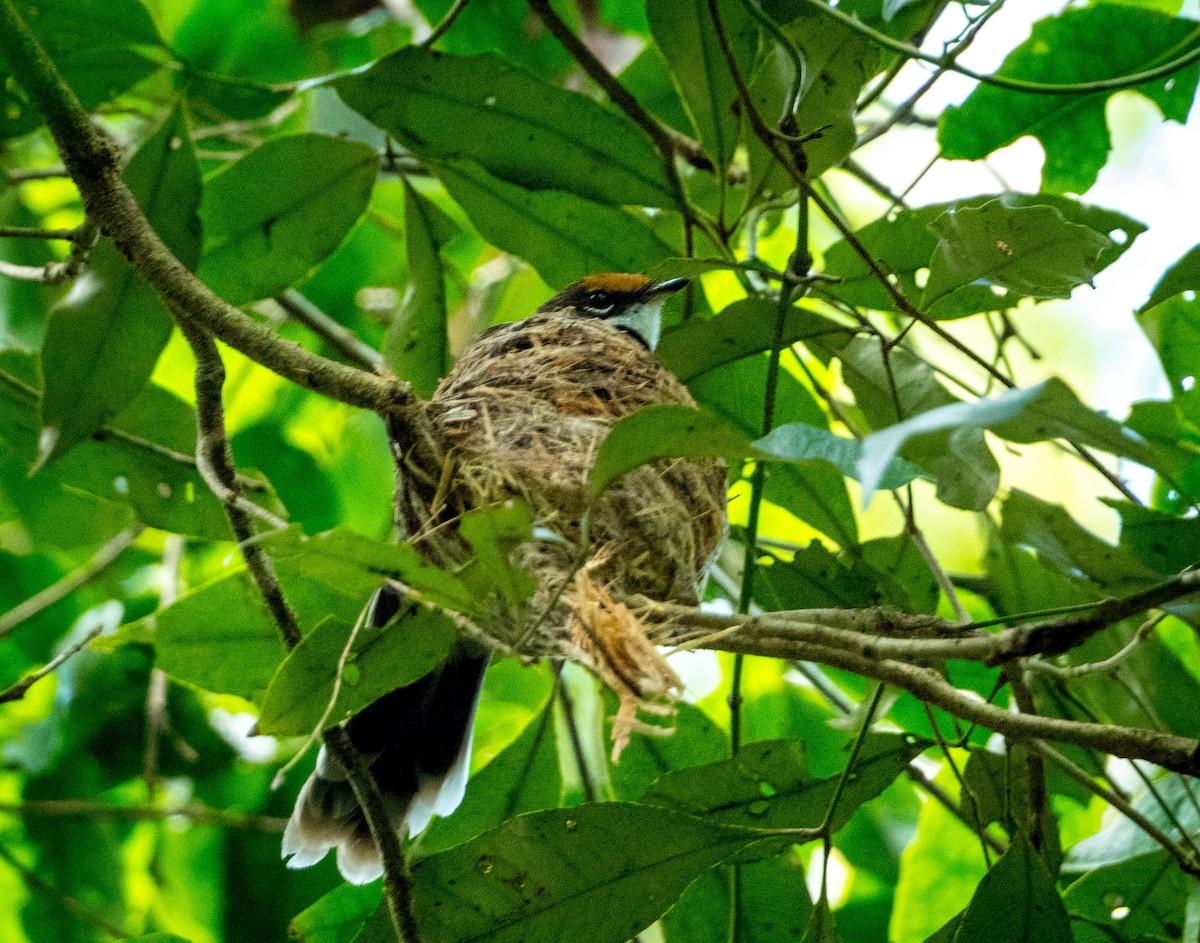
[696, 738]
[1016, 902]
[684, 31]
[563, 236]
[381, 660]
[767, 785]
[1102, 41]
[1171, 320]
[524, 777]
[416, 346]
[520, 128]
[103, 341]
[613, 868]
[337, 916]
[1142, 898]
[903, 244]
[102, 47]
[1049, 410]
[1173, 806]
[277, 213]
[1030, 250]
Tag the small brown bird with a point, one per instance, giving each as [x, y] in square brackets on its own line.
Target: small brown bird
[520, 418]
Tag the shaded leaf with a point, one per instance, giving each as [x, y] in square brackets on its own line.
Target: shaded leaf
[1049, 410]
[103, 340]
[494, 533]
[613, 868]
[102, 47]
[684, 31]
[1141, 898]
[381, 660]
[1016, 901]
[273, 216]
[767, 784]
[563, 236]
[1031, 250]
[1080, 45]
[696, 739]
[337, 916]
[523, 777]
[416, 346]
[1173, 806]
[521, 129]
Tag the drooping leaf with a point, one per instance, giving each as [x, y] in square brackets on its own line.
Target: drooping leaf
[684, 31]
[1016, 902]
[797, 442]
[1173, 806]
[1049, 410]
[519, 128]
[1183, 276]
[562, 235]
[380, 661]
[416, 346]
[102, 47]
[613, 868]
[1162, 542]
[1031, 250]
[767, 784]
[959, 460]
[104, 339]
[1080, 45]
[277, 213]
[524, 777]
[1171, 320]
[903, 244]
[337, 916]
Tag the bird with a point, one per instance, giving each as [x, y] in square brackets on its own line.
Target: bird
[520, 419]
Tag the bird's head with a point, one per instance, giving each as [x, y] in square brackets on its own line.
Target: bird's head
[632, 303]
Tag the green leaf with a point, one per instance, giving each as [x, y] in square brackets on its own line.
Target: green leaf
[903, 244]
[494, 532]
[740, 330]
[1016, 902]
[521, 129]
[1162, 542]
[142, 458]
[696, 739]
[563, 236]
[416, 346]
[1102, 41]
[1183, 276]
[959, 460]
[613, 868]
[1171, 806]
[1031, 250]
[337, 916]
[381, 660]
[812, 491]
[820, 927]
[1143, 898]
[684, 31]
[767, 784]
[524, 777]
[1170, 319]
[797, 442]
[277, 213]
[102, 47]
[103, 341]
[1049, 410]
[663, 431]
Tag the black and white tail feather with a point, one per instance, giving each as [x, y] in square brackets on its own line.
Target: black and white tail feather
[417, 741]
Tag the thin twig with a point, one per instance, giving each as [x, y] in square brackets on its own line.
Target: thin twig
[1106, 664]
[17, 691]
[346, 342]
[156, 690]
[447, 21]
[27, 232]
[193, 812]
[101, 560]
[39, 885]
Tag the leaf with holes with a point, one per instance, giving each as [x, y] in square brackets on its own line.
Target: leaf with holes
[1030, 250]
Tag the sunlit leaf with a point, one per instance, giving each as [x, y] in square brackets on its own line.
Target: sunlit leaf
[1031, 250]
[1080, 45]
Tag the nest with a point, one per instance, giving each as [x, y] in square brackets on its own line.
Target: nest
[522, 417]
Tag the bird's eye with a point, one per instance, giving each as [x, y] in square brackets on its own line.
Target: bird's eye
[599, 301]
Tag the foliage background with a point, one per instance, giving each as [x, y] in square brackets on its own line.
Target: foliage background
[132, 801]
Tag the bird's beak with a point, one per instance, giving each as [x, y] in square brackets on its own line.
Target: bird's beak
[669, 287]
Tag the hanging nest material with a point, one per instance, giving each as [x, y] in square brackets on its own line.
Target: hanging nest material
[522, 417]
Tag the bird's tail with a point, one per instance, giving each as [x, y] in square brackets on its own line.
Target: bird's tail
[417, 741]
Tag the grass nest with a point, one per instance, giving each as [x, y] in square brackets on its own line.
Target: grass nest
[521, 418]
